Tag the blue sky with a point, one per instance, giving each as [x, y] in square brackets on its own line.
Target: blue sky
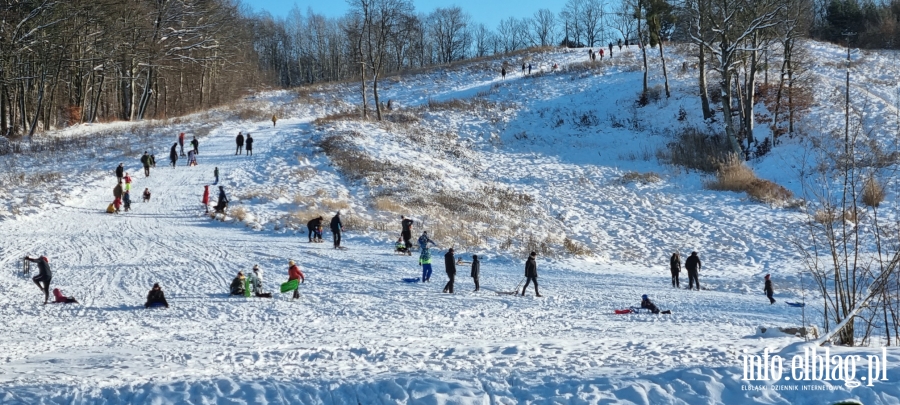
[489, 12]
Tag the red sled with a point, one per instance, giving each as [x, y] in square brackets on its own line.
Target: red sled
[623, 311]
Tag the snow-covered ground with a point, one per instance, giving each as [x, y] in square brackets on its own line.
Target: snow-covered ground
[359, 334]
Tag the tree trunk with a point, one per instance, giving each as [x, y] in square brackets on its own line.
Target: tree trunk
[665, 73]
[145, 94]
[643, 47]
[727, 95]
[704, 93]
[38, 104]
[375, 93]
[750, 92]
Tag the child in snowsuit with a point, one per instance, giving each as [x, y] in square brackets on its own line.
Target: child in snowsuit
[146, 195]
[127, 182]
[126, 198]
[647, 304]
[294, 273]
[256, 283]
[425, 256]
[400, 247]
[62, 299]
[205, 199]
[237, 285]
[769, 290]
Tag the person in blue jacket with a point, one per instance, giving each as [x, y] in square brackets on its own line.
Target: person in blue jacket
[425, 256]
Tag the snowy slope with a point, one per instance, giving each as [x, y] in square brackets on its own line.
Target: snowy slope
[361, 335]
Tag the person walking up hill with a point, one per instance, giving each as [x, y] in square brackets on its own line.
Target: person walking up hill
[531, 274]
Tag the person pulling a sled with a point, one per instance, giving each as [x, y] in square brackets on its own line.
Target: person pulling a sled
[44, 275]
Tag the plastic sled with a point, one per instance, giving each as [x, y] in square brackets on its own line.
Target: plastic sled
[411, 279]
[157, 305]
[796, 304]
[290, 286]
[623, 311]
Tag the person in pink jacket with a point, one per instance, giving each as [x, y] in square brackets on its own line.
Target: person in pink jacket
[62, 299]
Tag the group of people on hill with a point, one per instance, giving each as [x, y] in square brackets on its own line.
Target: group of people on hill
[692, 264]
[240, 140]
[122, 191]
[404, 246]
[191, 154]
[315, 229]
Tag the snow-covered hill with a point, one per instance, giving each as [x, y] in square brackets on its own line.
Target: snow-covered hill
[533, 162]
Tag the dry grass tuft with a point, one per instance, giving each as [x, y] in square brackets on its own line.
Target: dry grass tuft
[737, 177]
[388, 205]
[873, 193]
[472, 104]
[338, 116]
[575, 248]
[239, 213]
[645, 178]
[695, 149]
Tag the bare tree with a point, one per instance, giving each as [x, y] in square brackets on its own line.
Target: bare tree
[733, 23]
[449, 30]
[544, 26]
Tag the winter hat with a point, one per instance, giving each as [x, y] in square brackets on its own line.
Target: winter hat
[767, 276]
[694, 253]
[474, 257]
[644, 297]
[241, 273]
[155, 285]
[451, 250]
[533, 254]
[291, 262]
[255, 267]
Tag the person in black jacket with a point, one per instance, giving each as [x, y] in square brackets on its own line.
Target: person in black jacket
[239, 140]
[44, 275]
[647, 304]
[675, 267]
[196, 144]
[249, 147]
[156, 297]
[120, 171]
[450, 267]
[769, 290]
[336, 228]
[406, 226]
[693, 267]
[531, 274]
[313, 226]
[476, 271]
[237, 285]
[145, 160]
[223, 200]
[173, 154]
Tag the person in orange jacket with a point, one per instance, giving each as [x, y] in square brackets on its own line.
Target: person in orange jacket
[294, 273]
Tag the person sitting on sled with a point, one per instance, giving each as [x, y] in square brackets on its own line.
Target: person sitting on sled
[62, 299]
[401, 246]
[156, 298]
[647, 304]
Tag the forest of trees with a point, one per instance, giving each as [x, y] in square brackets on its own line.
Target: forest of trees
[71, 61]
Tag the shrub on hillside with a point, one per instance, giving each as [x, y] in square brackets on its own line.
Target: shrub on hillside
[737, 177]
[695, 149]
[873, 193]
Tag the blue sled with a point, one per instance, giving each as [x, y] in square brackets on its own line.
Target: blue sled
[411, 280]
[795, 304]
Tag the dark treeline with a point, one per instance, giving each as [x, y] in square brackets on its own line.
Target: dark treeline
[70, 61]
